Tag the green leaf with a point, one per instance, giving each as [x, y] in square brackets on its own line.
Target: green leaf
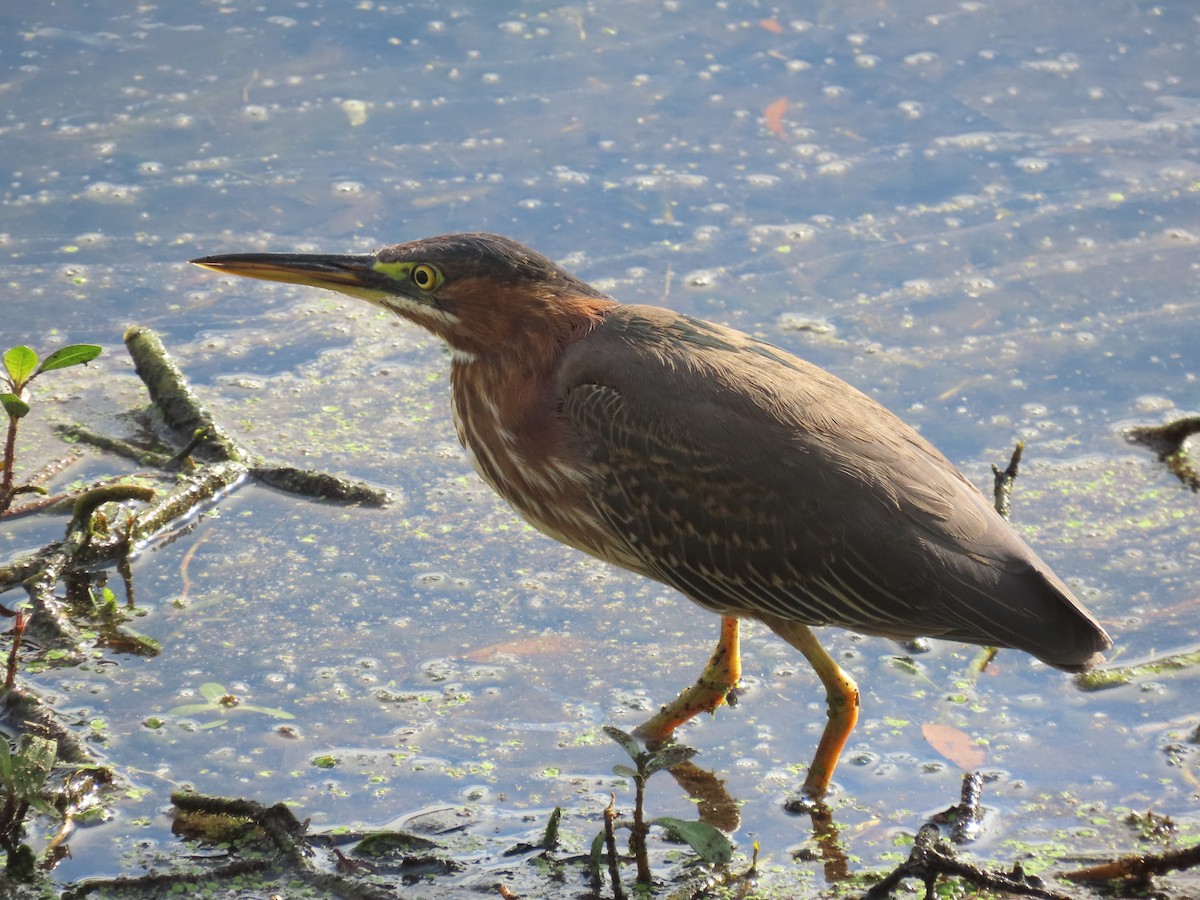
[31, 765]
[632, 747]
[710, 845]
[668, 758]
[14, 406]
[21, 363]
[596, 855]
[190, 709]
[213, 692]
[267, 711]
[74, 355]
[625, 772]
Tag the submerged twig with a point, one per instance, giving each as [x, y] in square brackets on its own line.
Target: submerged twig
[278, 822]
[143, 456]
[191, 421]
[202, 487]
[1139, 867]
[321, 485]
[93, 542]
[87, 503]
[933, 857]
[281, 828]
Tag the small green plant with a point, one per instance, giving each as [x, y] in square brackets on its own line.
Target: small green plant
[23, 775]
[709, 843]
[220, 702]
[21, 366]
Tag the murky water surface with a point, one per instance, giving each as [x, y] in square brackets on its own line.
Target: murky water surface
[983, 215]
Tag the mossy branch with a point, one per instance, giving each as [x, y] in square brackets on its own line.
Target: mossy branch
[173, 397]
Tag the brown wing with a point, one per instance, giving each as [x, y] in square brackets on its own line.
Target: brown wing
[757, 483]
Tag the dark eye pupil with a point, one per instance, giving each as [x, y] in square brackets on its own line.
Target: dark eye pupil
[421, 276]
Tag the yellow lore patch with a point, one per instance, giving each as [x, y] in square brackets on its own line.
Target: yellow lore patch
[423, 275]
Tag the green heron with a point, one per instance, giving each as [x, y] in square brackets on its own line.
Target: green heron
[756, 484]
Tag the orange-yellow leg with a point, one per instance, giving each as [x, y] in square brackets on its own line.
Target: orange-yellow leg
[719, 677]
[841, 693]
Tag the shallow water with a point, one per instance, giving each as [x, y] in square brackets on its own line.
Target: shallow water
[985, 217]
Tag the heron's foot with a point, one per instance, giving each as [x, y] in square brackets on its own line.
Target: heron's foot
[841, 693]
[719, 677]
[843, 700]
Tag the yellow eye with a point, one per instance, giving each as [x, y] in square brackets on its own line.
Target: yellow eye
[426, 277]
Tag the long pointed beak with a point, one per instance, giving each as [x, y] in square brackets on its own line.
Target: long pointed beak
[354, 275]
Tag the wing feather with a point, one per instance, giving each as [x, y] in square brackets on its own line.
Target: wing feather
[755, 483]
